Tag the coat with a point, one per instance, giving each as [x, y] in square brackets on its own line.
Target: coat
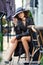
[18, 29]
[22, 30]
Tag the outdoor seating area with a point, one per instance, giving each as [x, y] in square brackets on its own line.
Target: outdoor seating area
[38, 48]
[34, 28]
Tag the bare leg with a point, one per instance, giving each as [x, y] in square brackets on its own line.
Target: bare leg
[11, 49]
[25, 44]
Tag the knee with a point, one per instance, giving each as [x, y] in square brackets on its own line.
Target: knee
[29, 38]
[13, 40]
[26, 38]
[23, 39]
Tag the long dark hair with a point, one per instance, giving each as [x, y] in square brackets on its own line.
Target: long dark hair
[27, 14]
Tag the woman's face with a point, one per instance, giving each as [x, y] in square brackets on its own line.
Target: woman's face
[21, 15]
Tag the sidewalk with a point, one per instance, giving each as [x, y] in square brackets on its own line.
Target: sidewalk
[14, 59]
[5, 47]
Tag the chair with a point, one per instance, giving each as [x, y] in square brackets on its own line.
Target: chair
[33, 45]
[36, 46]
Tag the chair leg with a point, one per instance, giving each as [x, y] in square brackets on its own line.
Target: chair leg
[39, 57]
[18, 59]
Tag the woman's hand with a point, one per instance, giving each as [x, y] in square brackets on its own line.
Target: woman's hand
[15, 21]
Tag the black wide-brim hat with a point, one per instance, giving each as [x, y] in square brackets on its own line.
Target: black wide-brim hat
[19, 10]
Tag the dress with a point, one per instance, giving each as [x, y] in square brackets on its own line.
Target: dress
[21, 31]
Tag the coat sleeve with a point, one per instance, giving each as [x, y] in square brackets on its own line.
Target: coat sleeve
[30, 21]
[22, 34]
[17, 28]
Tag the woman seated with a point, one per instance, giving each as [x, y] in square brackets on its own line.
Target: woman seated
[21, 21]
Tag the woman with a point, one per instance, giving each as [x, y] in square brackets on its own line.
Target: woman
[21, 21]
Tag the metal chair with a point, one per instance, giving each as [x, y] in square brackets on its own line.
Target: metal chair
[35, 47]
[34, 42]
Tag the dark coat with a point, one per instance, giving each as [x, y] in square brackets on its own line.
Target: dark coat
[18, 29]
[22, 30]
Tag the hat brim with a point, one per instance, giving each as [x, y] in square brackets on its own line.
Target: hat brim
[18, 13]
